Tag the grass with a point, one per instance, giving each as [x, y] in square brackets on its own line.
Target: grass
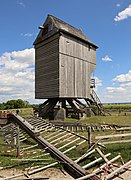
[123, 149]
[118, 106]
[24, 112]
[119, 120]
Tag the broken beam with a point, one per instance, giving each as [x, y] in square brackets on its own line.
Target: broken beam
[70, 166]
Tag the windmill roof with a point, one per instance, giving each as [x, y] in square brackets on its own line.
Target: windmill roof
[69, 29]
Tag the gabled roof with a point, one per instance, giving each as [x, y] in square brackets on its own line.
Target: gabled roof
[64, 27]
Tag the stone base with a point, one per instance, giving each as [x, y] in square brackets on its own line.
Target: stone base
[59, 114]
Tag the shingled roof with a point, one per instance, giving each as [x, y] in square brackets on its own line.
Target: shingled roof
[64, 27]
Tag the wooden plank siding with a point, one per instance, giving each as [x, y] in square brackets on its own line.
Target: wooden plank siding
[76, 63]
[47, 68]
[64, 61]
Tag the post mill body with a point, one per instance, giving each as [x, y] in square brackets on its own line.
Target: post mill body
[64, 61]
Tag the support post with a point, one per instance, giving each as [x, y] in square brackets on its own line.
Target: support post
[89, 136]
[17, 141]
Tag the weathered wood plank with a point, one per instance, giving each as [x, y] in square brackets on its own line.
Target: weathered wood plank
[113, 136]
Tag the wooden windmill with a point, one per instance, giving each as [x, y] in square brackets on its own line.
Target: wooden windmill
[64, 61]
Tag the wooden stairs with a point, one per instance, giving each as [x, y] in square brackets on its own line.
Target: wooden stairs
[96, 105]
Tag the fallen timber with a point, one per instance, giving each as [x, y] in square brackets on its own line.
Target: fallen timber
[70, 166]
[78, 127]
[68, 143]
[119, 170]
[108, 137]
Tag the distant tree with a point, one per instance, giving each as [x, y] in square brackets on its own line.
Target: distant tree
[19, 103]
[10, 104]
[2, 106]
[15, 104]
[27, 104]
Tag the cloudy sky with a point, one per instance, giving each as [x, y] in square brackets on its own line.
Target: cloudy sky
[106, 23]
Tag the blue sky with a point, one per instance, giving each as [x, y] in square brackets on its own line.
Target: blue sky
[106, 23]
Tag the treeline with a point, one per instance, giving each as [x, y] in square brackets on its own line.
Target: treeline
[15, 104]
[118, 106]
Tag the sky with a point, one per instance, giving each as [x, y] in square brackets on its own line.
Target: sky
[107, 23]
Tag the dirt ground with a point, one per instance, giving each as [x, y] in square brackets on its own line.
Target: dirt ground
[52, 174]
[126, 176]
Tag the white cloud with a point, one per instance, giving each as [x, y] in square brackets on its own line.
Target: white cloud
[26, 34]
[127, 85]
[107, 58]
[21, 3]
[118, 94]
[98, 82]
[123, 77]
[123, 14]
[115, 89]
[17, 75]
[118, 5]
[121, 89]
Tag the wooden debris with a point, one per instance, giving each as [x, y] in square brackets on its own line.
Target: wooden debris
[119, 170]
[42, 168]
[107, 163]
[113, 136]
[85, 155]
[101, 154]
[117, 142]
[124, 129]
[65, 140]
[89, 136]
[30, 159]
[94, 162]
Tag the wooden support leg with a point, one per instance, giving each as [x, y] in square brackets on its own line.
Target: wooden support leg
[76, 109]
[47, 108]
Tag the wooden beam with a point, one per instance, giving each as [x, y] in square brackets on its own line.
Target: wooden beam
[95, 161]
[116, 142]
[89, 136]
[87, 176]
[101, 154]
[118, 171]
[85, 155]
[113, 136]
[107, 163]
[30, 159]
